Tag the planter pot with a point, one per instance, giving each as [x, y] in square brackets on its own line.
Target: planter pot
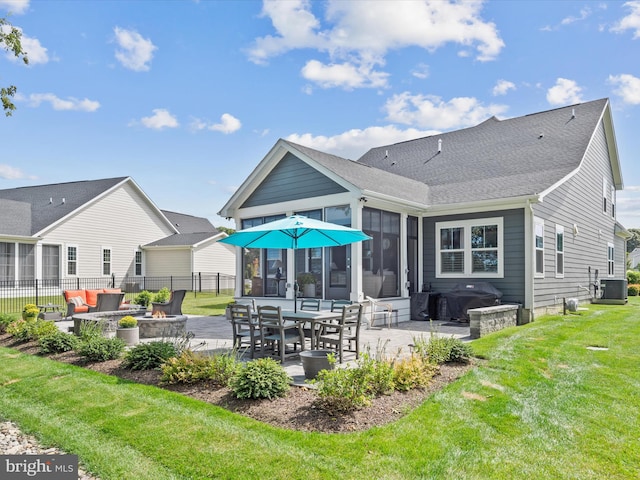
[315, 360]
[131, 336]
[309, 290]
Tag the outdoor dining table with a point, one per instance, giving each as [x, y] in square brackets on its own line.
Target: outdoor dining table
[313, 318]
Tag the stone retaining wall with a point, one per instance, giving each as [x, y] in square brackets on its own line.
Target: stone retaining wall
[491, 319]
[149, 327]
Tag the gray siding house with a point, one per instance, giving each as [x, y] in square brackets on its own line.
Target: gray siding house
[526, 204]
[99, 228]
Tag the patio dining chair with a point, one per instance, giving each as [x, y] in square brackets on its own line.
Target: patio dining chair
[380, 310]
[246, 328]
[278, 332]
[343, 335]
[310, 304]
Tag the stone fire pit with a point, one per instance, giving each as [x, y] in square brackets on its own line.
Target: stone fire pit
[170, 326]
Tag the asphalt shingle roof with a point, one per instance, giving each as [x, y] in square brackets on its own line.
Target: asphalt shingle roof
[497, 158]
[28, 210]
[188, 223]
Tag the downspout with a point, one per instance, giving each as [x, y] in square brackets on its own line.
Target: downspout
[529, 288]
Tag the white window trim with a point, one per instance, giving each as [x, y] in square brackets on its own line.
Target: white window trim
[466, 225]
[611, 260]
[538, 221]
[560, 230]
[605, 194]
[102, 249]
[66, 260]
[135, 252]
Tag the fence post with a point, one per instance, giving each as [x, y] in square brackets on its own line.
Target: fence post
[171, 282]
[217, 284]
[113, 280]
[37, 292]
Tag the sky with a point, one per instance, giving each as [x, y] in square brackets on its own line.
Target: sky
[187, 97]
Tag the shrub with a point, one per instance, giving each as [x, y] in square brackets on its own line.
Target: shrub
[143, 298]
[162, 295]
[90, 330]
[633, 277]
[5, 320]
[378, 374]
[413, 372]
[261, 378]
[101, 349]
[58, 342]
[147, 356]
[127, 322]
[632, 290]
[344, 389]
[31, 328]
[443, 349]
[190, 367]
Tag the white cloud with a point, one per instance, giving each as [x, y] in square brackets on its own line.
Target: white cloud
[160, 119]
[345, 75]
[10, 173]
[503, 87]
[356, 39]
[17, 7]
[35, 52]
[584, 13]
[631, 21]
[628, 87]
[421, 71]
[564, 92]
[430, 111]
[70, 103]
[354, 143]
[135, 52]
[228, 124]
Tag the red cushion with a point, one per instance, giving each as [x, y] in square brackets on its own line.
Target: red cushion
[92, 297]
[69, 294]
[81, 309]
[112, 290]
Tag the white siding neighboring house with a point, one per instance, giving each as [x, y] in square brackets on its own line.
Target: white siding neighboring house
[96, 228]
[634, 258]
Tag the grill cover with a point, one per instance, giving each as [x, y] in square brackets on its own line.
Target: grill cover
[464, 296]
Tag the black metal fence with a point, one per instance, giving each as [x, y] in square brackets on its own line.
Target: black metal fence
[15, 294]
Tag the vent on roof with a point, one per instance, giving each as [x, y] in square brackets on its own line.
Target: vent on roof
[50, 200]
[386, 154]
[439, 145]
[573, 113]
[64, 200]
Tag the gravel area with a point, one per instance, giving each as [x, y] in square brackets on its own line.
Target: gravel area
[14, 442]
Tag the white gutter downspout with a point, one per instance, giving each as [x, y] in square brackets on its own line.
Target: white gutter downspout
[529, 290]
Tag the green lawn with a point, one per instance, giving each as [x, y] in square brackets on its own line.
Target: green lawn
[542, 405]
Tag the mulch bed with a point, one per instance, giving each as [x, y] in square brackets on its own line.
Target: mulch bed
[300, 409]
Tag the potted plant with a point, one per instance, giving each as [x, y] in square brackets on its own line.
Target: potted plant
[128, 330]
[315, 360]
[30, 311]
[307, 283]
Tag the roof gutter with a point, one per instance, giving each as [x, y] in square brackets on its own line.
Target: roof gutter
[484, 205]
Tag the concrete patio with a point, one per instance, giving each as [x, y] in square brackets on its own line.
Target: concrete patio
[213, 334]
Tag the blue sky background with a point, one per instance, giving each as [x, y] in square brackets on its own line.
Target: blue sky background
[186, 97]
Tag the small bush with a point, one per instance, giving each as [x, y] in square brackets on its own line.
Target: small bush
[443, 349]
[90, 330]
[261, 378]
[377, 373]
[101, 349]
[5, 320]
[413, 372]
[162, 295]
[58, 342]
[632, 290]
[147, 356]
[127, 322]
[31, 328]
[143, 298]
[191, 367]
[633, 277]
[344, 389]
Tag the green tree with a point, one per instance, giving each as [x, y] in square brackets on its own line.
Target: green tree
[226, 230]
[634, 241]
[10, 42]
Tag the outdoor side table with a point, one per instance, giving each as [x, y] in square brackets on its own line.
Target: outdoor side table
[50, 311]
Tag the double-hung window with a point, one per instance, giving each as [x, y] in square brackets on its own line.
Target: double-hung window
[106, 261]
[559, 251]
[611, 259]
[539, 246]
[470, 248]
[72, 260]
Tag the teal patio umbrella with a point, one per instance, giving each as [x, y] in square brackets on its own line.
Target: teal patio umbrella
[296, 232]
